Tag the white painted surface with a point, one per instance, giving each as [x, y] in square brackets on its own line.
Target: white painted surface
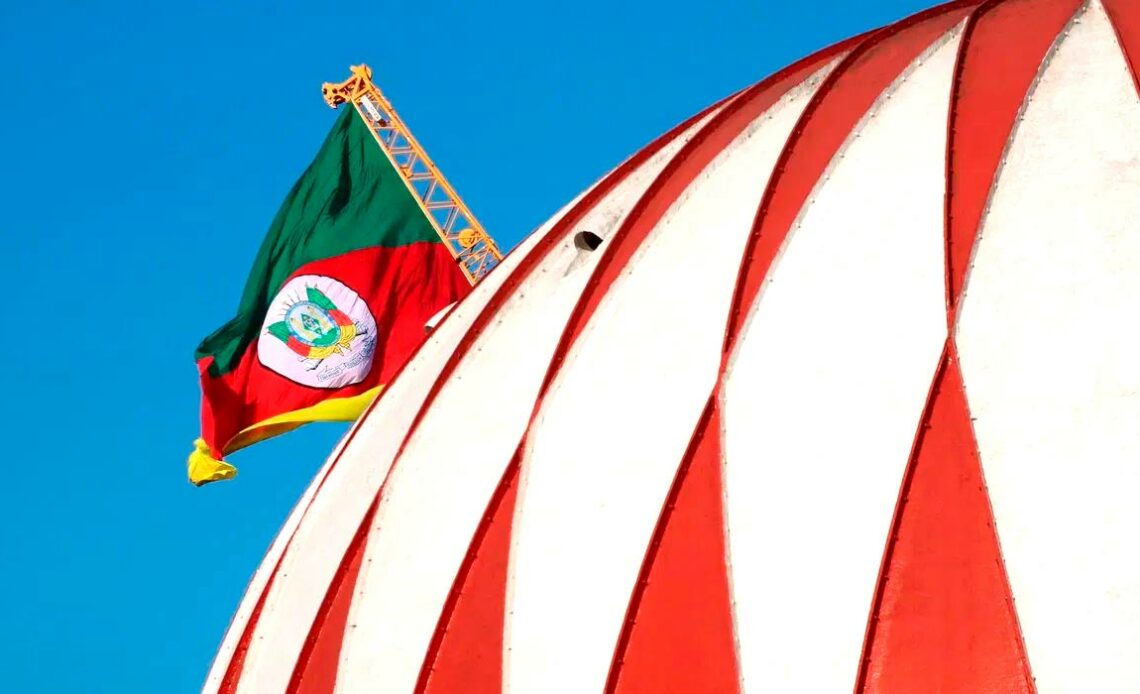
[601, 455]
[260, 579]
[325, 531]
[1049, 337]
[826, 387]
[456, 457]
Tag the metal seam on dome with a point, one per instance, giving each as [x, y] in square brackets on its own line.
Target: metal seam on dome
[1131, 57]
[951, 124]
[960, 295]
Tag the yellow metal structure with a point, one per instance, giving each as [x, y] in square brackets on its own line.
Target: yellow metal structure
[468, 242]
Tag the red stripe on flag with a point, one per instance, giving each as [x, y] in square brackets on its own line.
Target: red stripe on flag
[1125, 18]
[466, 652]
[316, 668]
[943, 618]
[678, 633]
[825, 125]
[1000, 55]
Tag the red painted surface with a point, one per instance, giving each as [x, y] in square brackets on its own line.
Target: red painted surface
[466, 653]
[678, 635]
[1125, 17]
[318, 662]
[824, 126]
[944, 619]
[1002, 51]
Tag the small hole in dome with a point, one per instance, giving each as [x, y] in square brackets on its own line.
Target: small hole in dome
[587, 240]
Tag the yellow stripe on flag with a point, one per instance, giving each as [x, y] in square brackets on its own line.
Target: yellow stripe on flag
[203, 468]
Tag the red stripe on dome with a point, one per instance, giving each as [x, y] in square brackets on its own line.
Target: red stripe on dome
[1125, 18]
[467, 647]
[823, 127]
[678, 633]
[943, 618]
[316, 668]
[1000, 55]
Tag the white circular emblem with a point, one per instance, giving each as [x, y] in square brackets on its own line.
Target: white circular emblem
[319, 333]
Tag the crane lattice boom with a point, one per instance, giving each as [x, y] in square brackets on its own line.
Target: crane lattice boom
[464, 236]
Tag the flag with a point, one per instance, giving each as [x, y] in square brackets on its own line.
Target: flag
[337, 299]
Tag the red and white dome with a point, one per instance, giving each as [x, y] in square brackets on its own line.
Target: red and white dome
[847, 397]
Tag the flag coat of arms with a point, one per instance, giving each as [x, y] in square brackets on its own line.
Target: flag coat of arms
[337, 299]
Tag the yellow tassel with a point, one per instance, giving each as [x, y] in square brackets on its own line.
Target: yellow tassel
[203, 468]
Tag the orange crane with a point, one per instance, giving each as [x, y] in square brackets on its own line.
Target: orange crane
[464, 236]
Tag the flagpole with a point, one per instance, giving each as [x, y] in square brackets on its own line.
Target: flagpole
[466, 239]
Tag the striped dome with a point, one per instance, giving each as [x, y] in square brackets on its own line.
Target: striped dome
[847, 397]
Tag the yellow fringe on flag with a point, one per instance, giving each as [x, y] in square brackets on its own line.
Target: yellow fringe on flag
[202, 468]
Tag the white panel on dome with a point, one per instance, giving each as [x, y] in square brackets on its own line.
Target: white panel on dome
[826, 387]
[1049, 338]
[260, 579]
[440, 486]
[328, 525]
[615, 423]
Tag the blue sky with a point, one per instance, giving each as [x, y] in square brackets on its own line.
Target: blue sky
[147, 147]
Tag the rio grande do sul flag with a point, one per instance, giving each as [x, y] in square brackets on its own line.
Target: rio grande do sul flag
[337, 299]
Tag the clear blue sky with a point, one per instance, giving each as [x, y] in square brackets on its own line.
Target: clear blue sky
[146, 148]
